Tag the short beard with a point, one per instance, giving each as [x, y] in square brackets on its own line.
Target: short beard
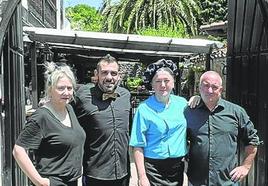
[104, 89]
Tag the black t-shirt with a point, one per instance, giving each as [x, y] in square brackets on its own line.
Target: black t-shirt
[59, 149]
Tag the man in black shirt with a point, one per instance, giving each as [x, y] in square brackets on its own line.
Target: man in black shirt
[103, 111]
[216, 127]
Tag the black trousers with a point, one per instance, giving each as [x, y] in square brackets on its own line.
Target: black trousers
[166, 172]
[54, 181]
[88, 181]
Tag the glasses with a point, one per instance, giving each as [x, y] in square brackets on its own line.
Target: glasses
[212, 86]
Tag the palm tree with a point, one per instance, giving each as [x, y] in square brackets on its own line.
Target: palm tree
[131, 15]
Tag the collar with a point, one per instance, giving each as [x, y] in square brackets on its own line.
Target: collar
[219, 105]
[156, 105]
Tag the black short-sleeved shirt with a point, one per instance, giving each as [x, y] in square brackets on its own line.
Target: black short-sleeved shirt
[107, 129]
[214, 140]
[59, 149]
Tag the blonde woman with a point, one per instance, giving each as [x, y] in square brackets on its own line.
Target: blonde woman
[54, 133]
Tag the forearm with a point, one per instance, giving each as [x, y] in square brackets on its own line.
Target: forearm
[250, 153]
[139, 162]
[26, 164]
[240, 172]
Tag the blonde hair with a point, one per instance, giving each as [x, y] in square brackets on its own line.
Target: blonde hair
[55, 71]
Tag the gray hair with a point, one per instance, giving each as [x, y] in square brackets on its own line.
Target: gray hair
[54, 72]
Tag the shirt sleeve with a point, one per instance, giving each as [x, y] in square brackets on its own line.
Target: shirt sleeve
[79, 106]
[30, 137]
[139, 128]
[248, 132]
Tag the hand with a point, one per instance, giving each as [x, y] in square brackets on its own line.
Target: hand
[194, 101]
[44, 182]
[239, 173]
[143, 181]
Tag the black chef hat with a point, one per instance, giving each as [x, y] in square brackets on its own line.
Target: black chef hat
[153, 67]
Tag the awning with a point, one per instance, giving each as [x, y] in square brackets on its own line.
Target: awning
[124, 43]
